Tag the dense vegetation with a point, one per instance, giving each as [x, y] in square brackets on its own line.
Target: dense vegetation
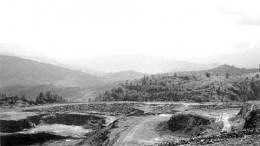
[48, 97]
[189, 123]
[14, 100]
[168, 87]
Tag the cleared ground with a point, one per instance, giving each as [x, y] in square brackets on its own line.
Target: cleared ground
[138, 122]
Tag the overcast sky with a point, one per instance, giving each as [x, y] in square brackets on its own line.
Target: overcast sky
[181, 29]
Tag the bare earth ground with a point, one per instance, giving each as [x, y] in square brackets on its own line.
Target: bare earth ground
[220, 115]
[143, 133]
[139, 129]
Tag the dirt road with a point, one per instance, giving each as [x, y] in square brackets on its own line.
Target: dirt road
[133, 131]
[143, 133]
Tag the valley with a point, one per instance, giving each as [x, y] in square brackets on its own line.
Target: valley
[51, 105]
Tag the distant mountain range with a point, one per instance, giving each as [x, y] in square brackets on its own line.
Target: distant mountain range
[25, 76]
[18, 71]
[122, 76]
[231, 70]
[139, 63]
[248, 58]
[99, 66]
[30, 77]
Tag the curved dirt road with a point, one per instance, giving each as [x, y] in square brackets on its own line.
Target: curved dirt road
[144, 132]
[132, 132]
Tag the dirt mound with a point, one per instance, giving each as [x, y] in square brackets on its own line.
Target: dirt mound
[100, 137]
[244, 137]
[253, 119]
[188, 123]
[135, 112]
[251, 114]
[114, 109]
[245, 110]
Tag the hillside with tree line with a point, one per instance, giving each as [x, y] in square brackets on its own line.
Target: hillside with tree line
[22, 100]
[170, 87]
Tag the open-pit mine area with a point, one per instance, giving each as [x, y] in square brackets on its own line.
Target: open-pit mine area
[131, 123]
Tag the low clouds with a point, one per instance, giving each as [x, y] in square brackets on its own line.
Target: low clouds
[242, 17]
[250, 20]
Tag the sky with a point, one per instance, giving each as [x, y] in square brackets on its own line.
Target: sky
[184, 30]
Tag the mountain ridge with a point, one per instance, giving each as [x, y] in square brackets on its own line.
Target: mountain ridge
[15, 71]
[230, 69]
[139, 63]
[24, 76]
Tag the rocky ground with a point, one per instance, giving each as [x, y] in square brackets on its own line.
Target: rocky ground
[141, 123]
[243, 137]
[103, 108]
[247, 134]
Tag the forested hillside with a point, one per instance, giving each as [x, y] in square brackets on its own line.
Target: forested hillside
[185, 88]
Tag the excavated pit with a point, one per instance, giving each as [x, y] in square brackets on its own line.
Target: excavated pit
[28, 139]
[34, 129]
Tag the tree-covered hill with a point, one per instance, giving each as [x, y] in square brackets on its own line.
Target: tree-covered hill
[167, 87]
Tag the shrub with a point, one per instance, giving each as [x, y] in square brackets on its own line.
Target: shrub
[187, 122]
[48, 97]
[227, 75]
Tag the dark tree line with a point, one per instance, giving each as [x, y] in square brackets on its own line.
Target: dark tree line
[42, 98]
[11, 100]
[48, 97]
